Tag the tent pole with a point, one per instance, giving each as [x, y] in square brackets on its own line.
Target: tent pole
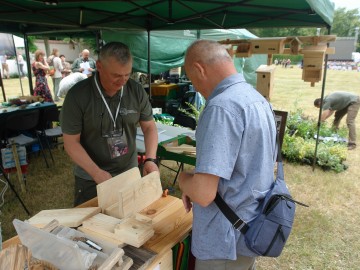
[18, 67]
[28, 64]
[320, 110]
[149, 64]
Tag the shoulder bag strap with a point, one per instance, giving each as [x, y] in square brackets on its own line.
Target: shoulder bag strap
[237, 222]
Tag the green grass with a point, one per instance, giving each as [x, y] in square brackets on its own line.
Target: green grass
[325, 236]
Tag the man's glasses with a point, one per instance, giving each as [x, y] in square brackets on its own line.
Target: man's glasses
[113, 133]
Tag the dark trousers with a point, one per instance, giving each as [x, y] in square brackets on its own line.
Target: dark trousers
[84, 190]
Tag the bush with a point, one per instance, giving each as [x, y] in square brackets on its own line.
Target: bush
[299, 143]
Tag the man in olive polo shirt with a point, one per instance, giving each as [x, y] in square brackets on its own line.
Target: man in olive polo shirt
[341, 103]
[99, 118]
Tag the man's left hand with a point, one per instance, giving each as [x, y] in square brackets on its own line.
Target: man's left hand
[149, 167]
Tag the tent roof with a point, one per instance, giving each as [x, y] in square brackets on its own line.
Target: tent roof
[66, 16]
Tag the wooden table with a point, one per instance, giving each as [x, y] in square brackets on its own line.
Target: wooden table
[161, 243]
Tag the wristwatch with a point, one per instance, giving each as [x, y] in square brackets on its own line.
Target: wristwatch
[155, 160]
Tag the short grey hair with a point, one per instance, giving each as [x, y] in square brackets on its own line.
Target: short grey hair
[117, 50]
[208, 52]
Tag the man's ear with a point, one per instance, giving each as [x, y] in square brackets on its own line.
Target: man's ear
[200, 69]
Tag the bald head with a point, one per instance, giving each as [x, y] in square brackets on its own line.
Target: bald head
[207, 63]
[85, 54]
[208, 52]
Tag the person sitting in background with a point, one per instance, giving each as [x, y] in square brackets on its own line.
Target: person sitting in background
[341, 103]
[40, 67]
[84, 64]
[66, 65]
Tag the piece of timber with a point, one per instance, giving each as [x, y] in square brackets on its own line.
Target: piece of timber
[13, 257]
[163, 261]
[108, 191]
[113, 259]
[142, 257]
[159, 210]
[133, 198]
[112, 210]
[72, 217]
[134, 232]
[126, 264]
[103, 225]
[169, 228]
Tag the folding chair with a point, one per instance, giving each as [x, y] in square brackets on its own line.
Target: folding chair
[24, 124]
[47, 131]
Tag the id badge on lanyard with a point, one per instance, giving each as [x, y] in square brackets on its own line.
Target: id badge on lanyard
[117, 145]
[116, 139]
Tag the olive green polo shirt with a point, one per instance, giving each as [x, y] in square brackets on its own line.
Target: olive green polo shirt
[85, 113]
[338, 101]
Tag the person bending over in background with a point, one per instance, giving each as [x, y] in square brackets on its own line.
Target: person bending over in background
[100, 114]
[341, 103]
[235, 134]
[40, 67]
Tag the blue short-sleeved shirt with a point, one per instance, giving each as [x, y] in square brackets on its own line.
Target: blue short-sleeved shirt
[235, 140]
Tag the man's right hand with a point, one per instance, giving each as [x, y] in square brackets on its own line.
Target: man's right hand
[101, 176]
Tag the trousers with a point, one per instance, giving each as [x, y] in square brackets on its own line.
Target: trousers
[242, 263]
[351, 111]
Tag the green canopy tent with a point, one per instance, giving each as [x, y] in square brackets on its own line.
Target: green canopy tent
[74, 17]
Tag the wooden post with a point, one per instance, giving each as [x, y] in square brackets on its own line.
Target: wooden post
[18, 167]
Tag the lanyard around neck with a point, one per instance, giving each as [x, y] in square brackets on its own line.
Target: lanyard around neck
[107, 106]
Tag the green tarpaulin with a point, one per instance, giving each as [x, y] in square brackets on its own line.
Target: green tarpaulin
[167, 48]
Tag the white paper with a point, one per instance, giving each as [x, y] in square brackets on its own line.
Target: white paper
[85, 66]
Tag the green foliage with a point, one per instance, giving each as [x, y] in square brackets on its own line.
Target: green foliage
[193, 112]
[299, 143]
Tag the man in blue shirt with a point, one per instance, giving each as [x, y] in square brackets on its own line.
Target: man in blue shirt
[236, 153]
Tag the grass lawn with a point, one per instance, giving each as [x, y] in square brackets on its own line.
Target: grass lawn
[325, 236]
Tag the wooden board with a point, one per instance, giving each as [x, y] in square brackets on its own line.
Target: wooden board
[134, 232]
[170, 227]
[138, 195]
[72, 217]
[108, 191]
[142, 257]
[159, 210]
[103, 225]
[163, 262]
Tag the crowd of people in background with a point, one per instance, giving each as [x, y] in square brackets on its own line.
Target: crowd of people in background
[54, 66]
[285, 63]
[58, 68]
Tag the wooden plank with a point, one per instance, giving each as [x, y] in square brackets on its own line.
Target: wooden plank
[108, 191]
[134, 232]
[72, 217]
[127, 263]
[142, 257]
[103, 225]
[168, 233]
[113, 259]
[159, 210]
[133, 198]
[101, 238]
[113, 210]
[163, 261]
